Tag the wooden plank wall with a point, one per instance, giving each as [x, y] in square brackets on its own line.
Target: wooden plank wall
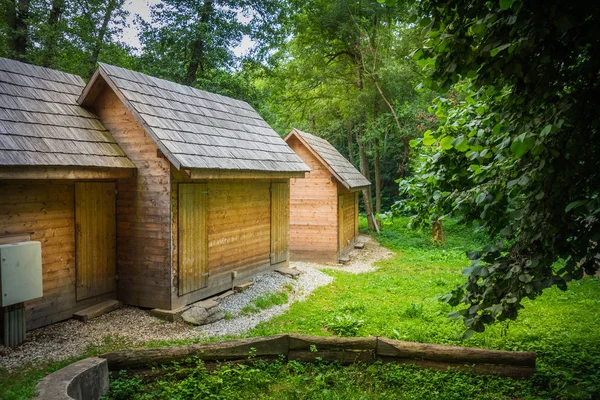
[143, 211]
[192, 233]
[348, 220]
[239, 225]
[45, 211]
[95, 238]
[313, 211]
[280, 217]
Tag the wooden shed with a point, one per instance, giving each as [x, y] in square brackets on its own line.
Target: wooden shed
[209, 205]
[324, 205]
[58, 171]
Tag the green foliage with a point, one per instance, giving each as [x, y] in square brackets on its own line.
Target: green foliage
[402, 300]
[124, 387]
[516, 150]
[293, 380]
[343, 324]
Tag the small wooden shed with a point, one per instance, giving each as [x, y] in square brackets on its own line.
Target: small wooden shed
[58, 171]
[209, 205]
[324, 205]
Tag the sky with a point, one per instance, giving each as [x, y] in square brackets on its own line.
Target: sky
[142, 8]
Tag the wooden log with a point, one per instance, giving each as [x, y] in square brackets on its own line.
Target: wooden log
[322, 343]
[341, 356]
[228, 350]
[453, 354]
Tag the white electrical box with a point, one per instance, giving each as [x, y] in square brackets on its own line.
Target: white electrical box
[20, 272]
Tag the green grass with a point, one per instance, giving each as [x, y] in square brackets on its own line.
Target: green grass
[400, 300]
[266, 301]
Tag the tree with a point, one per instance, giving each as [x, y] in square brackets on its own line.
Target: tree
[516, 153]
[191, 42]
[16, 30]
[342, 75]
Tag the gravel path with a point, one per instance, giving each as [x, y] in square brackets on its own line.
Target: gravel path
[361, 261]
[131, 326]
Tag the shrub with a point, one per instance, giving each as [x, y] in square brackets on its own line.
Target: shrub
[344, 325]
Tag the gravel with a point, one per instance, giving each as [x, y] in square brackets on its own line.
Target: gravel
[133, 327]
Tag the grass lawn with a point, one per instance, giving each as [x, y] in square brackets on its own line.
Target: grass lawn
[399, 300]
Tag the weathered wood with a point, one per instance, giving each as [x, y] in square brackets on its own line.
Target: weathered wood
[193, 237]
[280, 216]
[228, 350]
[313, 210]
[340, 168]
[97, 310]
[45, 211]
[242, 286]
[64, 173]
[144, 250]
[341, 356]
[321, 343]
[224, 174]
[453, 354]
[95, 238]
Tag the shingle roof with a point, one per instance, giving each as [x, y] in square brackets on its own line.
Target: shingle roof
[41, 123]
[341, 168]
[198, 129]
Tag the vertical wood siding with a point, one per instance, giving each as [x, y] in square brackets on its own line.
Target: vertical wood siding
[313, 211]
[45, 210]
[143, 211]
[280, 216]
[348, 219]
[95, 238]
[192, 233]
[238, 229]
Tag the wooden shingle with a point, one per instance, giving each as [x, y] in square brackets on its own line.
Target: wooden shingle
[41, 123]
[197, 129]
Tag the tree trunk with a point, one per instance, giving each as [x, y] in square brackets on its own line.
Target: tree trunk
[349, 135]
[197, 56]
[367, 196]
[377, 179]
[17, 16]
[50, 43]
[437, 232]
[108, 13]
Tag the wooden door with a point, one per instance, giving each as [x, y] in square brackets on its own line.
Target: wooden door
[341, 243]
[95, 238]
[280, 222]
[193, 237]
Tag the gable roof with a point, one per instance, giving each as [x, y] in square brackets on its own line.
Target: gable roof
[197, 129]
[41, 123]
[337, 164]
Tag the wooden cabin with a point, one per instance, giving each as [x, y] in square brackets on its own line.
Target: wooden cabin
[324, 205]
[58, 171]
[139, 189]
[209, 205]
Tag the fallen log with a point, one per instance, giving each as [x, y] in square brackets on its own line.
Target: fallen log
[306, 342]
[217, 351]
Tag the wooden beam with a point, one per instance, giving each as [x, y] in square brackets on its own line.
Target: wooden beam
[233, 174]
[65, 173]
